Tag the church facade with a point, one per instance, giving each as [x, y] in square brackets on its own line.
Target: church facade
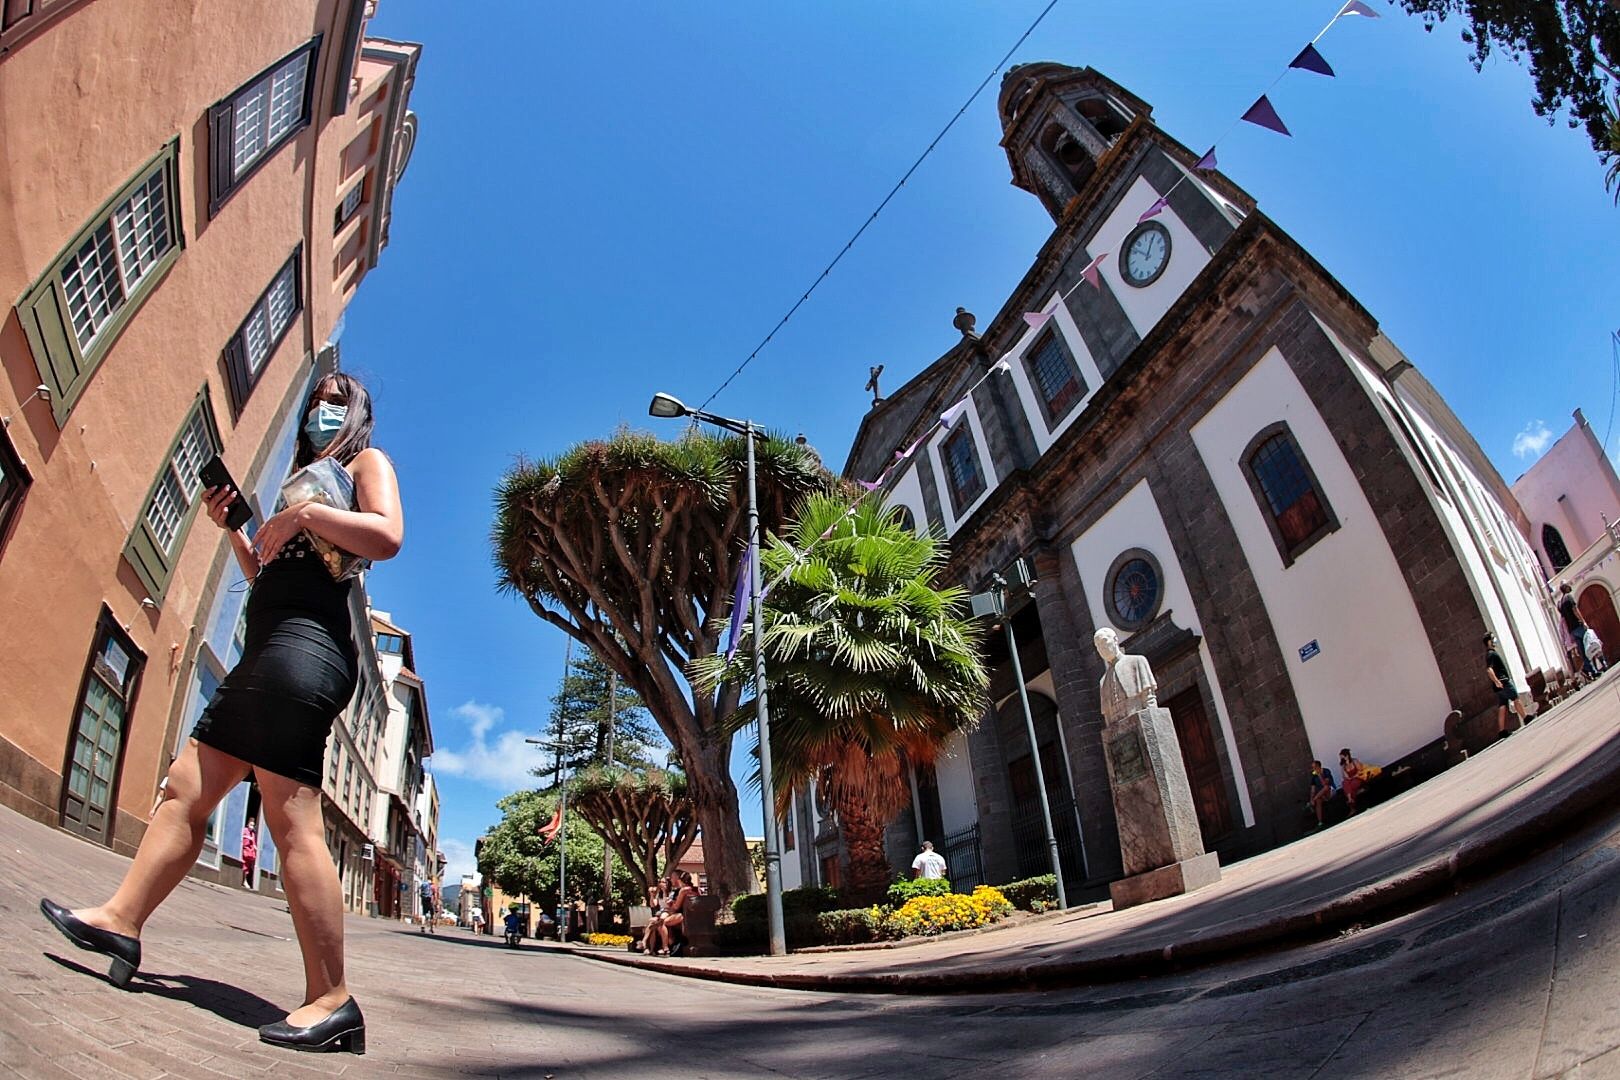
[1215, 451]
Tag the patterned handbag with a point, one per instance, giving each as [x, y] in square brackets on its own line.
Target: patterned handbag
[325, 481]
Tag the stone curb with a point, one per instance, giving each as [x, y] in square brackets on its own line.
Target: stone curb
[1520, 832]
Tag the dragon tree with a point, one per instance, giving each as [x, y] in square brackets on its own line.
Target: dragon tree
[630, 546]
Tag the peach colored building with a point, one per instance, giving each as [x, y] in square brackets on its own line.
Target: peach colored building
[189, 196]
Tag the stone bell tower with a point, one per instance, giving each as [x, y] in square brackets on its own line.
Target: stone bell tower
[1057, 122]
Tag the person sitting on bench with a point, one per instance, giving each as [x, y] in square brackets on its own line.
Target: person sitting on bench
[1322, 790]
[670, 939]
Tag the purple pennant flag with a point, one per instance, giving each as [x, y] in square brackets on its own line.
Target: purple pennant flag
[1262, 114]
[740, 599]
[872, 485]
[1091, 272]
[1311, 60]
[1207, 162]
[950, 415]
[1157, 208]
[901, 455]
[1036, 319]
[1356, 7]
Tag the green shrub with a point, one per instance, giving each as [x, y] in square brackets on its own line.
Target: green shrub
[809, 900]
[851, 926]
[901, 891]
[1026, 894]
[751, 936]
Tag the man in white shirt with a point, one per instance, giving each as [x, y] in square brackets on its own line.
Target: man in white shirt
[928, 864]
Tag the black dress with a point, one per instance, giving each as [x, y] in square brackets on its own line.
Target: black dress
[297, 672]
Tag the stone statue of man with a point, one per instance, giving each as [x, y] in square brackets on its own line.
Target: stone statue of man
[1128, 685]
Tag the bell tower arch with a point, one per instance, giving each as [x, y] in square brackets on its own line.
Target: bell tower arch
[1056, 122]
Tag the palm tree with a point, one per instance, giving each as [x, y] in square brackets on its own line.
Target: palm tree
[629, 545]
[871, 665]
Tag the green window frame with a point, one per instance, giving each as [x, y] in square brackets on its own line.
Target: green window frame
[77, 309]
[269, 321]
[173, 500]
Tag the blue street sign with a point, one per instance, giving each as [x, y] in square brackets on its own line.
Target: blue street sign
[1308, 650]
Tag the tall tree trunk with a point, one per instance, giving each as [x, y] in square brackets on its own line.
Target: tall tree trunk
[709, 786]
[869, 870]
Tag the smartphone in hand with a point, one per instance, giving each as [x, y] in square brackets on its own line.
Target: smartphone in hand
[213, 474]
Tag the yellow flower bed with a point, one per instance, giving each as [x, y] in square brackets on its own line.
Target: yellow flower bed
[927, 915]
[612, 941]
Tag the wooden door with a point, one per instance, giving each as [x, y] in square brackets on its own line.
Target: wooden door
[96, 750]
[1203, 766]
[1597, 608]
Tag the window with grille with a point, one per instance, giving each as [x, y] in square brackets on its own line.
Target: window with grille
[350, 205]
[75, 312]
[261, 333]
[1056, 377]
[95, 748]
[248, 127]
[159, 534]
[14, 480]
[962, 472]
[1293, 504]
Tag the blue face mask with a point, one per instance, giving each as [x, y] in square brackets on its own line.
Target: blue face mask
[323, 422]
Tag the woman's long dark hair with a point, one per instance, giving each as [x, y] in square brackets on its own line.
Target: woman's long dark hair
[355, 434]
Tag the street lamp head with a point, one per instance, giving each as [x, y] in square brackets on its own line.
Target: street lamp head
[666, 407]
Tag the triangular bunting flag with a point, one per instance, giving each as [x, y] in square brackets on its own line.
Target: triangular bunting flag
[740, 598]
[871, 485]
[950, 415]
[1262, 114]
[1004, 365]
[1356, 7]
[1036, 319]
[1207, 162]
[1092, 271]
[1157, 208]
[1311, 60]
[901, 455]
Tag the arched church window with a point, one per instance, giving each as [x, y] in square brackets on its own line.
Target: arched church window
[1292, 502]
[1068, 154]
[904, 517]
[1108, 121]
[1552, 542]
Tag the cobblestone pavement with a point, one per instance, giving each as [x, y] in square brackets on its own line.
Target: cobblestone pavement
[1513, 977]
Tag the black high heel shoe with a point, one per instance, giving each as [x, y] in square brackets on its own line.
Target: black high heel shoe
[344, 1030]
[124, 950]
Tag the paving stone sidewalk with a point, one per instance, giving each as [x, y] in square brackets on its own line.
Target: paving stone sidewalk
[1478, 818]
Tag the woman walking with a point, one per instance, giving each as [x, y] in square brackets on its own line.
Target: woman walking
[271, 717]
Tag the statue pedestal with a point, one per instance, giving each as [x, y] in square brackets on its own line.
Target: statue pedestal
[1159, 842]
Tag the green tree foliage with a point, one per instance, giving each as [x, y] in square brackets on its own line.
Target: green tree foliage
[871, 665]
[581, 720]
[1573, 48]
[514, 856]
[630, 546]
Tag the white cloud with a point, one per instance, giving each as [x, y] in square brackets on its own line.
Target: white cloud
[1532, 440]
[458, 856]
[503, 763]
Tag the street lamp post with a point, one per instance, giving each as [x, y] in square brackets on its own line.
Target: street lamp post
[667, 407]
[995, 602]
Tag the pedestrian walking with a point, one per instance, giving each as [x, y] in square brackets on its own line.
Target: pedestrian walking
[1506, 693]
[1592, 649]
[1575, 624]
[928, 863]
[430, 905]
[271, 716]
[250, 852]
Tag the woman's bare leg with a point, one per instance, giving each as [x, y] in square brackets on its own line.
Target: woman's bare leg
[293, 812]
[199, 778]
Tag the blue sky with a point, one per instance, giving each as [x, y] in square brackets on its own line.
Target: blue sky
[606, 201]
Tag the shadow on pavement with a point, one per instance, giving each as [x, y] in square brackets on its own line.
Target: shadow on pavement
[223, 1000]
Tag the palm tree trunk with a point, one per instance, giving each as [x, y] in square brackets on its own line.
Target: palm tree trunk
[869, 870]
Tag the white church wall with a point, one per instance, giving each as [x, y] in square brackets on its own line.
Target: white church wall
[1146, 306]
[953, 771]
[981, 446]
[907, 492]
[1374, 685]
[1134, 522]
